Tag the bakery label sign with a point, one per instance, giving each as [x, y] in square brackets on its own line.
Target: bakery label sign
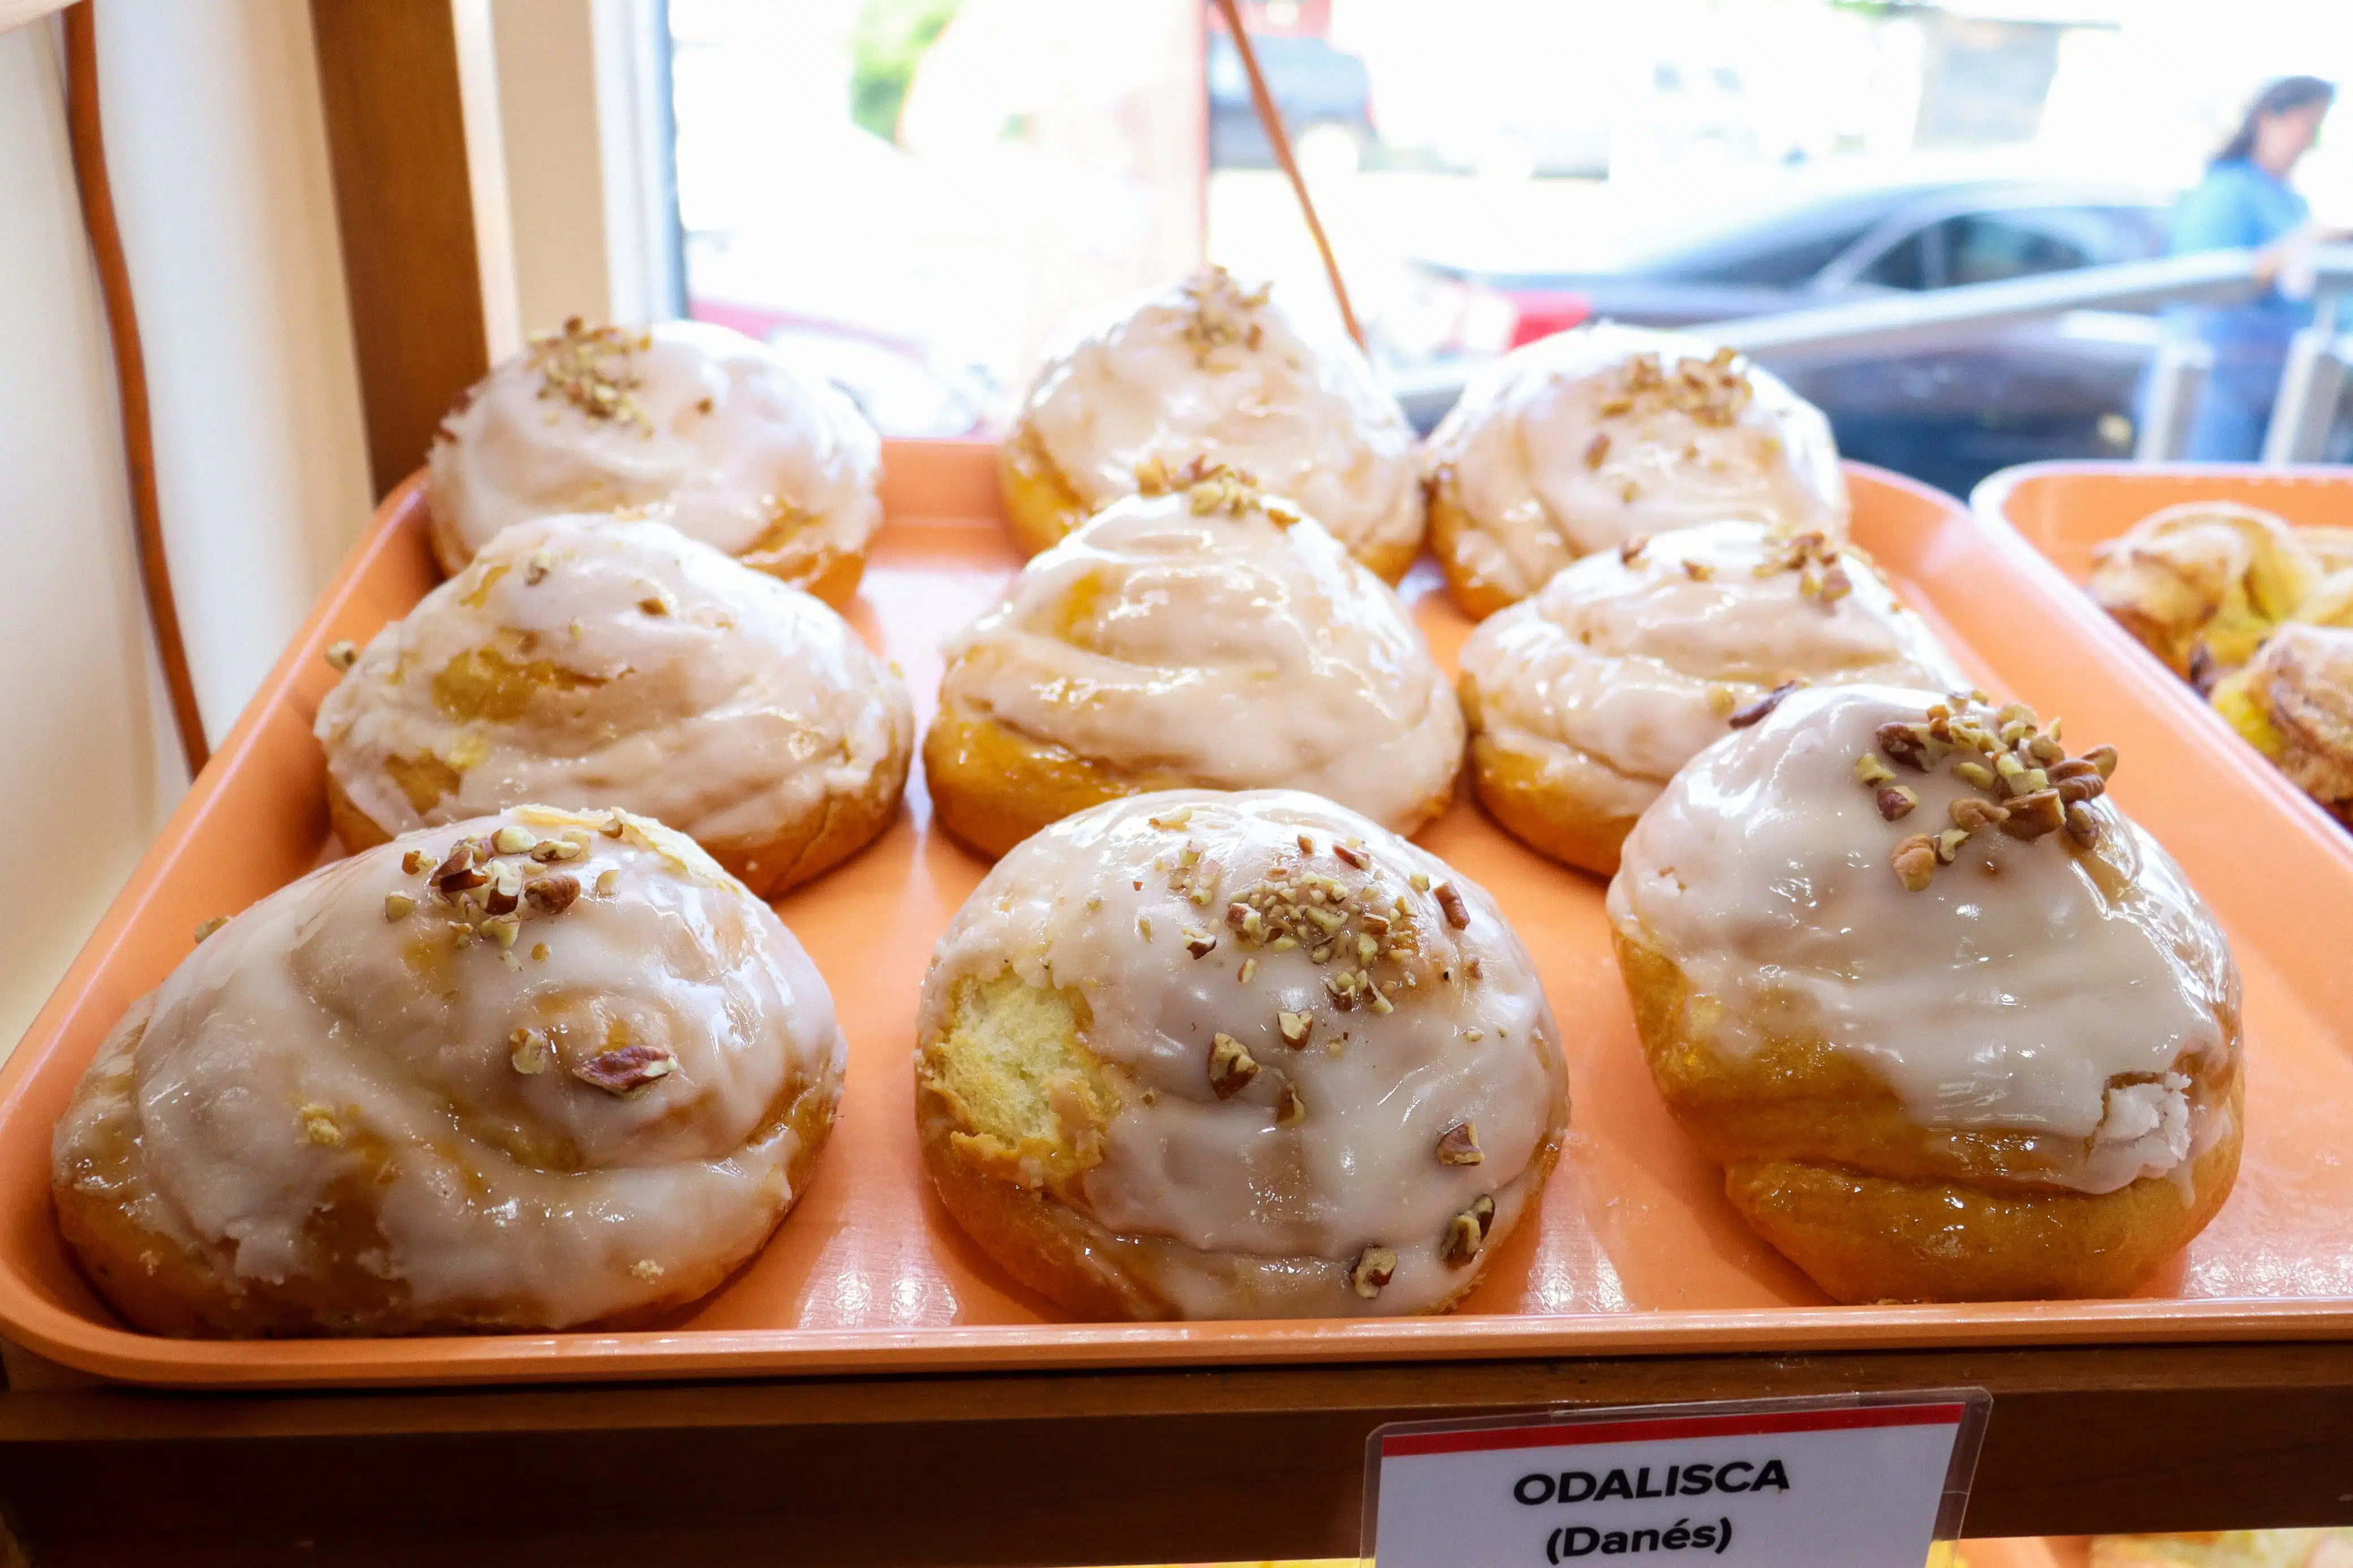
[1847, 1481]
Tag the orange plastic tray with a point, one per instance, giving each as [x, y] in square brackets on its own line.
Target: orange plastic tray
[1635, 1250]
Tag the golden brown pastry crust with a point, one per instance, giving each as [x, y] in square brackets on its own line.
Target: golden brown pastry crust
[1822, 1160]
[164, 1284]
[992, 786]
[2295, 704]
[838, 827]
[832, 574]
[1474, 594]
[2200, 585]
[1549, 813]
[1033, 1231]
[1041, 507]
[1072, 1260]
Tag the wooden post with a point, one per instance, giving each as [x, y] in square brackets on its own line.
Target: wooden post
[389, 83]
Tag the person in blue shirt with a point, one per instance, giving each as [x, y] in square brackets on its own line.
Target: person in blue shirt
[2244, 202]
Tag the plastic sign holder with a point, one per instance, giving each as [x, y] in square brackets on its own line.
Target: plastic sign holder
[1844, 1481]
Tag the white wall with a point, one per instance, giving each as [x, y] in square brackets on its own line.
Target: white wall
[90, 769]
[218, 155]
[220, 170]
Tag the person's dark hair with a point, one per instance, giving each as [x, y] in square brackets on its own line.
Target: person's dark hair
[2290, 92]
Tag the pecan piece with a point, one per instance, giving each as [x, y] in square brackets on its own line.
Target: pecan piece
[459, 872]
[2035, 814]
[1295, 1027]
[1231, 1066]
[1289, 1110]
[2081, 826]
[1466, 1233]
[1754, 712]
[1450, 899]
[1372, 1270]
[1896, 802]
[552, 895]
[1906, 743]
[630, 1066]
[1970, 813]
[505, 891]
[1459, 1145]
[2103, 758]
[1914, 861]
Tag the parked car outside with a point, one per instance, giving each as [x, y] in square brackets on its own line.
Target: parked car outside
[2058, 388]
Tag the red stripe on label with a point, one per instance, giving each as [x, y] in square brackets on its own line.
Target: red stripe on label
[1408, 1444]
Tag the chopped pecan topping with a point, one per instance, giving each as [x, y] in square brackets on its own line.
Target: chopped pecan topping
[514, 840]
[1466, 1233]
[2035, 814]
[630, 1066]
[1970, 813]
[1295, 1027]
[342, 655]
[1372, 1270]
[1450, 900]
[2081, 826]
[1896, 802]
[1354, 856]
[1910, 744]
[505, 891]
[1289, 1110]
[1870, 770]
[2103, 758]
[1754, 712]
[554, 894]
[207, 928]
[1596, 451]
[1459, 1145]
[1231, 1066]
[527, 1052]
[1914, 861]
[459, 873]
[398, 906]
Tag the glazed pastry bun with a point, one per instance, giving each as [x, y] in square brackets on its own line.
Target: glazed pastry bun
[1206, 368]
[721, 436]
[530, 1071]
[2295, 704]
[1955, 1027]
[1583, 700]
[1584, 440]
[592, 661]
[2202, 584]
[1206, 633]
[1199, 1055]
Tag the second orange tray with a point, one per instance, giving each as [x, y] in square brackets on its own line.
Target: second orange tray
[1636, 1252]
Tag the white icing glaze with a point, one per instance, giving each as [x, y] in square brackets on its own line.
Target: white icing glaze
[1635, 665]
[539, 1190]
[728, 438]
[1520, 444]
[1235, 649]
[2014, 1001]
[1218, 1176]
[737, 711]
[1307, 419]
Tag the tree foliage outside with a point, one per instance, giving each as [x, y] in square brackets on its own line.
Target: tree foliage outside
[885, 43]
